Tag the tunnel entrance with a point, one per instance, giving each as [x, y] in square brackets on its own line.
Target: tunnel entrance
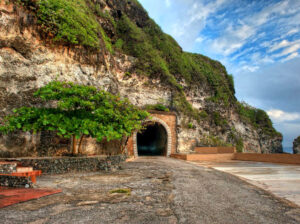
[152, 141]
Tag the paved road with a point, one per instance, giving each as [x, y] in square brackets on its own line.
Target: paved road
[163, 191]
[280, 179]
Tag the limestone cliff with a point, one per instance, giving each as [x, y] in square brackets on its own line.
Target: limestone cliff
[296, 146]
[130, 55]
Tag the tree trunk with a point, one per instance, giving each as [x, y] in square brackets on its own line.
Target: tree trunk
[80, 144]
[123, 146]
[74, 145]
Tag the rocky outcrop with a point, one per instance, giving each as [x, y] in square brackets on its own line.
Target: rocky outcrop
[296, 146]
[28, 62]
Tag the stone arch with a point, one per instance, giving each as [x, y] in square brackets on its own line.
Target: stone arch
[169, 136]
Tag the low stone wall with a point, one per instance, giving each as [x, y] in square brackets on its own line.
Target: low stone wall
[204, 157]
[214, 150]
[12, 181]
[59, 165]
[270, 158]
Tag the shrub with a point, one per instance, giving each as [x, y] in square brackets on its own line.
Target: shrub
[80, 111]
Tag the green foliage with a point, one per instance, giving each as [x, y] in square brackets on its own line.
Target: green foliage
[119, 44]
[239, 145]
[106, 40]
[69, 21]
[158, 106]
[219, 120]
[181, 104]
[190, 125]
[231, 83]
[80, 110]
[203, 114]
[238, 141]
[257, 117]
[103, 14]
[72, 22]
[160, 55]
[121, 191]
[213, 141]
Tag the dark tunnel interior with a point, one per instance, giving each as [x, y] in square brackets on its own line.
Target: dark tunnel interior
[152, 141]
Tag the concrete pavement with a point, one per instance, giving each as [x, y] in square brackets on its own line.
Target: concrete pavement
[163, 190]
[280, 179]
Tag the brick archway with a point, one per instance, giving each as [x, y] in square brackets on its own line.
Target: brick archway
[169, 136]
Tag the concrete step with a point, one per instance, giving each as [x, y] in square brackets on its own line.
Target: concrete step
[204, 157]
[214, 150]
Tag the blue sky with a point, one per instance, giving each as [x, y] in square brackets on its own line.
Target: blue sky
[258, 42]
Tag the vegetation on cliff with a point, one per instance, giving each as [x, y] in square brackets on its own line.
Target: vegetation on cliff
[257, 117]
[126, 28]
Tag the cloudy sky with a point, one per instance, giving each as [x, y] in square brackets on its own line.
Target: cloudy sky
[258, 42]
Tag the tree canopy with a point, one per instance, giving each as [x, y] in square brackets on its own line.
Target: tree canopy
[76, 111]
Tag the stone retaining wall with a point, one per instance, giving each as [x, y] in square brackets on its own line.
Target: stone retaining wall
[269, 158]
[59, 165]
[204, 157]
[214, 150]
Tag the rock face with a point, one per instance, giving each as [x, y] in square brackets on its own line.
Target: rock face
[28, 62]
[296, 146]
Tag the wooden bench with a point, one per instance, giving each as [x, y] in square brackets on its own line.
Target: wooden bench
[29, 174]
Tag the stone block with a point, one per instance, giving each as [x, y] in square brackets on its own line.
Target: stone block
[8, 167]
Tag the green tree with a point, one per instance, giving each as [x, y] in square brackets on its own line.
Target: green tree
[77, 111]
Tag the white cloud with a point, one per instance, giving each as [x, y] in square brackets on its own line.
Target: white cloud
[199, 39]
[281, 116]
[289, 50]
[191, 19]
[250, 29]
[291, 56]
[292, 31]
[250, 68]
[277, 46]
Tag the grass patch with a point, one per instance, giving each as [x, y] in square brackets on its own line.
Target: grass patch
[69, 21]
[121, 191]
[158, 106]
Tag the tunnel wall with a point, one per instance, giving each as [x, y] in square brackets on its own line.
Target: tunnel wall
[168, 120]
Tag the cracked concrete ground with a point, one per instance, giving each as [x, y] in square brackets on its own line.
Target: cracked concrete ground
[163, 190]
